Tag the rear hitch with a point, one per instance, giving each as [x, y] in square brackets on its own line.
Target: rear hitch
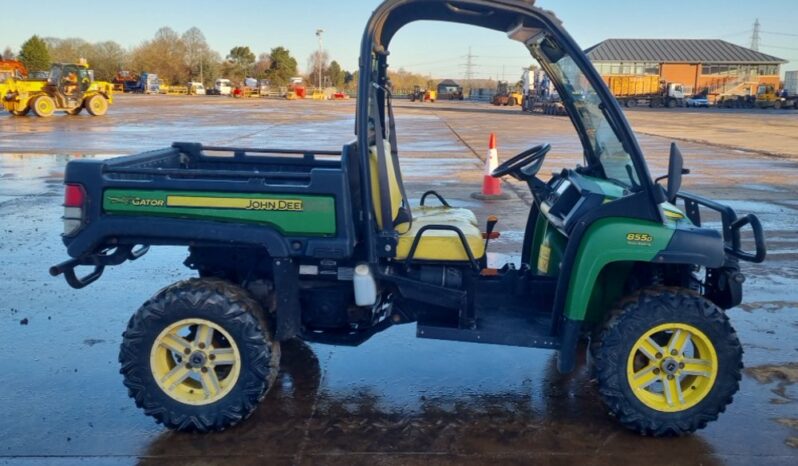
[99, 261]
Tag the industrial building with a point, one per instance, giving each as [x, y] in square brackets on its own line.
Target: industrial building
[717, 66]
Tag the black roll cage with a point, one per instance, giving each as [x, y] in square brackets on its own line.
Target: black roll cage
[498, 15]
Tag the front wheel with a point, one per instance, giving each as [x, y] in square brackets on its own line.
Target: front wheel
[43, 106]
[668, 362]
[97, 105]
[199, 356]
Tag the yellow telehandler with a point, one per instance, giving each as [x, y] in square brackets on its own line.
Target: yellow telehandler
[69, 87]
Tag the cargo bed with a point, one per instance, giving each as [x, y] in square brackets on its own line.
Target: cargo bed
[292, 202]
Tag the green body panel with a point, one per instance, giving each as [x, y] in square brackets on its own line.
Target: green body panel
[291, 214]
[607, 241]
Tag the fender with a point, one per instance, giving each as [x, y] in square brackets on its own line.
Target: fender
[608, 240]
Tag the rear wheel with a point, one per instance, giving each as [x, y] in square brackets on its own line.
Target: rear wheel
[777, 105]
[512, 102]
[667, 362]
[97, 105]
[199, 356]
[672, 103]
[43, 106]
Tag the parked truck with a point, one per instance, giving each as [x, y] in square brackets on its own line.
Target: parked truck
[145, 83]
[791, 82]
[633, 91]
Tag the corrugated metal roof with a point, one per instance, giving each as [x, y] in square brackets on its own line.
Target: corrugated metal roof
[677, 51]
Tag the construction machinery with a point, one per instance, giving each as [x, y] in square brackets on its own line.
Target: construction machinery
[70, 88]
[420, 94]
[507, 95]
[124, 79]
[326, 246]
[540, 94]
[12, 69]
[767, 96]
[450, 90]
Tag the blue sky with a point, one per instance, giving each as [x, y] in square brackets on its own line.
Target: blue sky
[429, 48]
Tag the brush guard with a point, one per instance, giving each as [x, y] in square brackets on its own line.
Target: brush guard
[732, 225]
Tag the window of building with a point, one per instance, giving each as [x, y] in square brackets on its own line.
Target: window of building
[627, 68]
[740, 70]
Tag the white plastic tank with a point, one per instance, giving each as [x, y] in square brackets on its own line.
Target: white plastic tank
[365, 286]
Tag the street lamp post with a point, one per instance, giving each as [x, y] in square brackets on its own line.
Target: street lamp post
[319, 32]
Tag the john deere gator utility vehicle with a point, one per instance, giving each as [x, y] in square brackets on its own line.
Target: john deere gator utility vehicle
[326, 246]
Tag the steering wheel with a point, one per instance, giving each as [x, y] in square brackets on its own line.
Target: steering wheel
[524, 165]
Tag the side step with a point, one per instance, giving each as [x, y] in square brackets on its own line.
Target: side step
[498, 327]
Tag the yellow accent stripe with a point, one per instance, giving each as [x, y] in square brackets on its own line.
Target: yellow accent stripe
[235, 203]
[674, 215]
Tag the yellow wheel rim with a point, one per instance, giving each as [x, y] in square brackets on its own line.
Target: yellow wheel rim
[195, 361]
[672, 367]
[44, 105]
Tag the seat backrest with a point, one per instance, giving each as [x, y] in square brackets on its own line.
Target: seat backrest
[393, 189]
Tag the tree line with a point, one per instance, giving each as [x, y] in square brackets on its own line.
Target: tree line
[179, 58]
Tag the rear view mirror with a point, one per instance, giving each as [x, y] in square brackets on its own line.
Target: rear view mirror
[675, 172]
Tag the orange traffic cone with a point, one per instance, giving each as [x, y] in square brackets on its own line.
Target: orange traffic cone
[491, 187]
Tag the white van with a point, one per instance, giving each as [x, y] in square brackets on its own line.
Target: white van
[223, 87]
[195, 88]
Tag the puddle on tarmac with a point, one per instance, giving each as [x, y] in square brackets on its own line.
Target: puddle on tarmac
[30, 174]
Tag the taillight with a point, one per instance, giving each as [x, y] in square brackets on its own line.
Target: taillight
[74, 195]
[74, 200]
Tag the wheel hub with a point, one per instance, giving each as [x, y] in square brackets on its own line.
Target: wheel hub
[670, 366]
[197, 359]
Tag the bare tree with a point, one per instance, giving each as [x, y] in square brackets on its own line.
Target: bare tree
[197, 52]
[164, 55]
[316, 60]
[8, 54]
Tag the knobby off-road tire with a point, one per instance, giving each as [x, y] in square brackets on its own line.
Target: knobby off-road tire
[226, 346]
[650, 384]
[43, 106]
[97, 105]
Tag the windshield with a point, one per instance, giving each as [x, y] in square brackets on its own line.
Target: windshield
[604, 142]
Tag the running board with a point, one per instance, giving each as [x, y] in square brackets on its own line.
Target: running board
[499, 328]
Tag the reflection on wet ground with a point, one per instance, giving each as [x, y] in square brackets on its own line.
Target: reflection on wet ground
[396, 399]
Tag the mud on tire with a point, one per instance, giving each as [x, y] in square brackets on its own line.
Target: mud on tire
[224, 306]
[631, 320]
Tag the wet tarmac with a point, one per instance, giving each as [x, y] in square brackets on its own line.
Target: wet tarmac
[395, 399]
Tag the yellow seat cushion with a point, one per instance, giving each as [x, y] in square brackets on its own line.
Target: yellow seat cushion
[442, 215]
[440, 245]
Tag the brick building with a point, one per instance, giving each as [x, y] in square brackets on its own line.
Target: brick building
[715, 65]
